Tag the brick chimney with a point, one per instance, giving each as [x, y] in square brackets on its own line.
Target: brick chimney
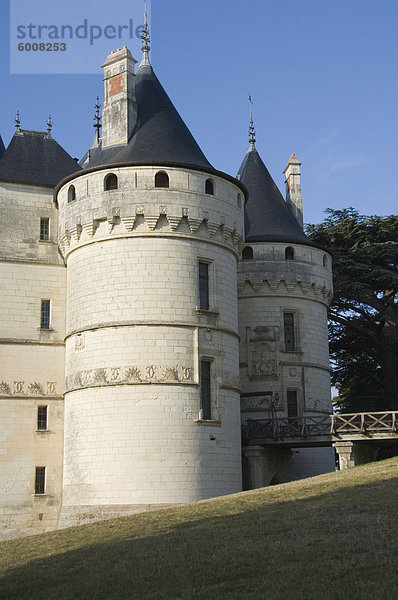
[119, 114]
[293, 188]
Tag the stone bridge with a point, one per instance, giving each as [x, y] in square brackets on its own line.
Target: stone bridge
[355, 436]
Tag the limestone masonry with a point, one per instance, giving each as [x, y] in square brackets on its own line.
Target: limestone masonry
[150, 304]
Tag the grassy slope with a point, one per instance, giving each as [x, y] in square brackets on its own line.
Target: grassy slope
[332, 537]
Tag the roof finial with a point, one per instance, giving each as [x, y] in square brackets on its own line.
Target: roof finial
[97, 121]
[252, 131]
[146, 38]
[49, 125]
[17, 120]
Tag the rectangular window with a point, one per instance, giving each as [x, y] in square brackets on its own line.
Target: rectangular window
[44, 229]
[45, 314]
[42, 418]
[292, 407]
[205, 395]
[204, 286]
[288, 323]
[40, 480]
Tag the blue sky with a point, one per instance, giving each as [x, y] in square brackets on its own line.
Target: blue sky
[323, 76]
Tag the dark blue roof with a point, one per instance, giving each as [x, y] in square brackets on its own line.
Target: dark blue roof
[35, 157]
[160, 135]
[267, 216]
[2, 149]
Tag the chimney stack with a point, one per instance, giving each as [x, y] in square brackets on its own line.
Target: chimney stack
[293, 188]
[119, 114]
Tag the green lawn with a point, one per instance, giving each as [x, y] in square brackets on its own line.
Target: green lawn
[332, 537]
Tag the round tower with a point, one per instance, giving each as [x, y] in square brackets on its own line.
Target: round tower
[151, 234]
[284, 289]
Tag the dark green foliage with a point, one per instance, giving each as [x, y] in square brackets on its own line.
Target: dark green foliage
[364, 313]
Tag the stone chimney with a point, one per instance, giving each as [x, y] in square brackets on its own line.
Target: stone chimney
[293, 188]
[119, 114]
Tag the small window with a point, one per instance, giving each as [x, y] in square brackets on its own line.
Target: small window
[204, 286]
[288, 325]
[44, 230]
[42, 418]
[162, 180]
[325, 261]
[45, 314]
[205, 393]
[289, 253]
[40, 480]
[209, 188]
[239, 201]
[110, 182]
[247, 253]
[71, 193]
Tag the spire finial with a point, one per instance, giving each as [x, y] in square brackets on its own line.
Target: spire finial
[49, 125]
[146, 38]
[97, 121]
[17, 120]
[252, 131]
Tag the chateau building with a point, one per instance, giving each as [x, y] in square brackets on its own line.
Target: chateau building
[150, 304]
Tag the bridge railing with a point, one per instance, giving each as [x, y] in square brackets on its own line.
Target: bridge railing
[286, 427]
[365, 422]
[353, 423]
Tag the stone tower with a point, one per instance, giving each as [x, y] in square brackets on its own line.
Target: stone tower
[151, 234]
[284, 289]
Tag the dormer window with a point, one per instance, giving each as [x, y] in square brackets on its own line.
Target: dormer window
[162, 180]
[209, 187]
[71, 193]
[110, 182]
[289, 253]
[247, 253]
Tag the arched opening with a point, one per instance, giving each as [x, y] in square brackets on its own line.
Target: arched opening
[71, 193]
[209, 187]
[247, 253]
[289, 253]
[162, 180]
[110, 182]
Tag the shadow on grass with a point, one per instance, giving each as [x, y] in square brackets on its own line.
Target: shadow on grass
[340, 544]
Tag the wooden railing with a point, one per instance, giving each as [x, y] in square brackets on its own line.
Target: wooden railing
[327, 425]
[365, 423]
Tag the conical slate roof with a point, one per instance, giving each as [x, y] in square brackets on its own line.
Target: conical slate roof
[160, 135]
[267, 216]
[35, 157]
[2, 149]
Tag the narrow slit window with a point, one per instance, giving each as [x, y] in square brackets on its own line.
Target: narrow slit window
[205, 389]
[40, 480]
[45, 314]
[42, 418]
[44, 229]
[71, 193]
[290, 341]
[204, 286]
